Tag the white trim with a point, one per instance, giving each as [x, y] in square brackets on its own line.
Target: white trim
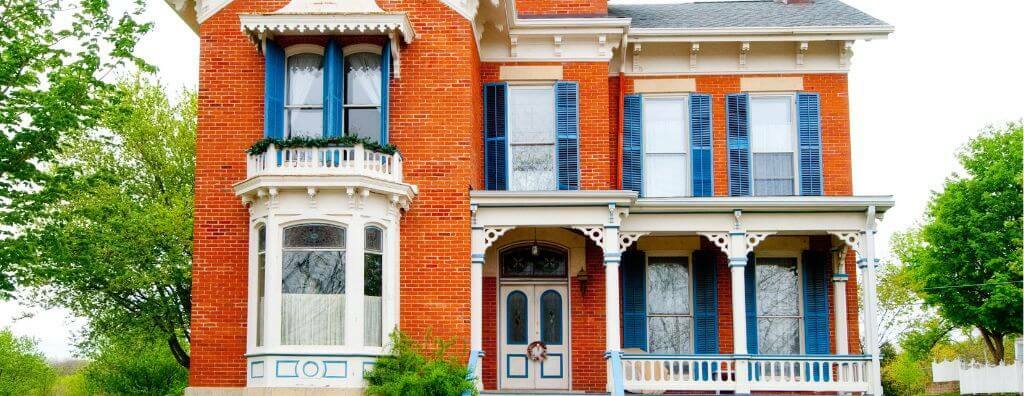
[296, 49]
[751, 34]
[260, 25]
[361, 47]
[684, 74]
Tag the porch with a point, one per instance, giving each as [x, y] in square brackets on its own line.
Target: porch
[616, 226]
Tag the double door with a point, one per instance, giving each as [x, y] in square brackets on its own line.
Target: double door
[533, 336]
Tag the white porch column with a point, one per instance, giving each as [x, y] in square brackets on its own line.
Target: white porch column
[737, 251]
[272, 305]
[478, 248]
[867, 263]
[613, 330]
[839, 278]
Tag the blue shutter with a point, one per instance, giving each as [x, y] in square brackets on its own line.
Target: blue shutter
[634, 300]
[334, 77]
[632, 143]
[495, 125]
[751, 290]
[567, 130]
[700, 145]
[385, 84]
[705, 303]
[815, 274]
[273, 90]
[809, 134]
[738, 136]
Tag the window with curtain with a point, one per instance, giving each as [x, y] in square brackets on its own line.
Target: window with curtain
[304, 104]
[373, 259]
[778, 306]
[531, 125]
[313, 285]
[261, 288]
[362, 95]
[665, 147]
[772, 145]
[669, 311]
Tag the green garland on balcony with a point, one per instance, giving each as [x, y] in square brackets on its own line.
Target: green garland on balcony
[262, 145]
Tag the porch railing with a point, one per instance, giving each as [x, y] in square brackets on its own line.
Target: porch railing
[325, 161]
[763, 373]
[671, 372]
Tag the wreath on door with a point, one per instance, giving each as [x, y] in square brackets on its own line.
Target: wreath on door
[537, 351]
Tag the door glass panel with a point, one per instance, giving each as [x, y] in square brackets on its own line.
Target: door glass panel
[521, 262]
[516, 317]
[551, 318]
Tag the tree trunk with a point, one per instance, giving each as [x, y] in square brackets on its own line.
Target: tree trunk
[179, 353]
[994, 343]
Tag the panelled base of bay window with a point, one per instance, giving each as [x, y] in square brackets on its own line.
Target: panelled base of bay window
[340, 371]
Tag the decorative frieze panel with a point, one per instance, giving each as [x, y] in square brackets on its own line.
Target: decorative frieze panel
[721, 240]
[492, 234]
[595, 233]
[754, 238]
[626, 239]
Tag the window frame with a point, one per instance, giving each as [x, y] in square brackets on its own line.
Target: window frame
[513, 86]
[352, 49]
[687, 144]
[688, 254]
[801, 323]
[292, 50]
[794, 144]
[383, 292]
[345, 251]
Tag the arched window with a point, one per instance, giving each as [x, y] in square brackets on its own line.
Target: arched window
[534, 261]
[261, 279]
[373, 271]
[304, 104]
[362, 91]
[313, 285]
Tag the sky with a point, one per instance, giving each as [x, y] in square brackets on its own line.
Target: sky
[950, 69]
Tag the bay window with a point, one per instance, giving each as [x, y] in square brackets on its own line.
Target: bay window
[665, 147]
[773, 145]
[305, 92]
[669, 309]
[261, 279]
[313, 285]
[778, 305]
[532, 138]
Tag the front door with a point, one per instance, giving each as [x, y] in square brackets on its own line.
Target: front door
[533, 336]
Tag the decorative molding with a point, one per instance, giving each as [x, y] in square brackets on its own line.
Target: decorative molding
[721, 240]
[207, 8]
[559, 46]
[466, 8]
[637, 48]
[602, 46]
[595, 233]
[272, 202]
[513, 46]
[755, 238]
[694, 49]
[258, 26]
[801, 49]
[311, 192]
[626, 239]
[492, 234]
[744, 50]
[850, 239]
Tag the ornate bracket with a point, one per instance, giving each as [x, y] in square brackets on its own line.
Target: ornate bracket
[559, 46]
[492, 234]
[844, 52]
[311, 192]
[851, 239]
[754, 238]
[637, 47]
[694, 49]
[721, 240]
[801, 49]
[514, 46]
[744, 50]
[626, 239]
[595, 234]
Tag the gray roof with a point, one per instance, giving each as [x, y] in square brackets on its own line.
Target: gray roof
[752, 13]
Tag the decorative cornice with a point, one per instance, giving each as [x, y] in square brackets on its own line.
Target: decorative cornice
[257, 26]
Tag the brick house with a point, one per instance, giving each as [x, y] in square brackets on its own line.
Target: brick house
[585, 196]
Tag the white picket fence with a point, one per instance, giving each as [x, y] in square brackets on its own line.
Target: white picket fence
[979, 378]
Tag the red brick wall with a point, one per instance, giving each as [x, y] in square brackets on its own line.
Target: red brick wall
[490, 332]
[596, 154]
[562, 7]
[835, 126]
[435, 276]
[588, 322]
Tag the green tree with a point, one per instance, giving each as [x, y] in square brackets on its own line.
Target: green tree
[54, 56]
[966, 256]
[23, 369]
[109, 235]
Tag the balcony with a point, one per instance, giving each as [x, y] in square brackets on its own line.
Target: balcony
[355, 170]
[847, 373]
[326, 161]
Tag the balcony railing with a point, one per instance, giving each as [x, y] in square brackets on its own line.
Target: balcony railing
[763, 373]
[326, 161]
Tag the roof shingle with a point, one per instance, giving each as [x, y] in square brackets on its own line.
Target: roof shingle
[743, 14]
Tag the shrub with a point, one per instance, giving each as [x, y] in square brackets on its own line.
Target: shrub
[407, 371]
[23, 370]
[134, 366]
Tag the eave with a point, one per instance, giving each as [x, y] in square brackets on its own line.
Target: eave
[752, 34]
